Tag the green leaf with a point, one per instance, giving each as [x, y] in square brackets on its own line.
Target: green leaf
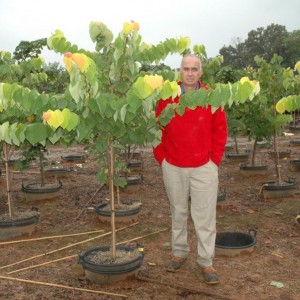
[123, 112]
[36, 133]
[55, 137]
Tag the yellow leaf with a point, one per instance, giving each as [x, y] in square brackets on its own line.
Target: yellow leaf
[135, 26]
[81, 61]
[127, 27]
[244, 79]
[56, 119]
[68, 62]
[154, 81]
[297, 66]
[46, 116]
[280, 107]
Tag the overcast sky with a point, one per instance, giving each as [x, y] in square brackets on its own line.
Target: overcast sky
[213, 23]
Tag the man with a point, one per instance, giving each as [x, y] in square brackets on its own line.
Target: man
[190, 152]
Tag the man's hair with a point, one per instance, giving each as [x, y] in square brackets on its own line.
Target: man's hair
[191, 55]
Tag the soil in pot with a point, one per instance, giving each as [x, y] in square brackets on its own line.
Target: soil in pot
[34, 191]
[22, 223]
[128, 211]
[101, 268]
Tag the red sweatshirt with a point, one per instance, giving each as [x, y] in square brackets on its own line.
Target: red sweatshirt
[194, 138]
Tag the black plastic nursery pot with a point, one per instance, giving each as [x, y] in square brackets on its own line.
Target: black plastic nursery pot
[130, 214]
[18, 226]
[222, 197]
[111, 271]
[272, 189]
[34, 191]
[249, 170]
[133, 179]
[294, 128]
[235, 243]
[280, 154]
[229, 147]
[295, 164]
[237, 157]
[59, 173]
[137, 154]
[74, 158]
[294, 143]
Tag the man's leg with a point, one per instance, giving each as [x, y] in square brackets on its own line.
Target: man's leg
[204, 192]
[177, 187]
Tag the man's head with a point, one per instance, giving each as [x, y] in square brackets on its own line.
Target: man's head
[191, 71]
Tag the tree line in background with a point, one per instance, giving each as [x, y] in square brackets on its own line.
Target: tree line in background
[263, 42]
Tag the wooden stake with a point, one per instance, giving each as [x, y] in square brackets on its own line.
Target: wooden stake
[63, 248]
[43, 264]
[72, 256]
[140, 237]
[194, 291]
[99, 189]
[50, 237]
[61, 286]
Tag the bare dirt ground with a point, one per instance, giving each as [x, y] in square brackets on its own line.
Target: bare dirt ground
[245, 276]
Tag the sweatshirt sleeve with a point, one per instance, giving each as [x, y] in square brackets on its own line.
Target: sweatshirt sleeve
[219, 136]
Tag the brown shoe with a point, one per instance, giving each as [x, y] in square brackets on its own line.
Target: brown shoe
[175, 263]
[210, 275]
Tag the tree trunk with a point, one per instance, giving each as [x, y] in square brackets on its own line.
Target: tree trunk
[112, 198]
[9, 200]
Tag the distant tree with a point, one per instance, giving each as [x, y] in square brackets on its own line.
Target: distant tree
[292, 53]
[26, 50]
[154, 68]
[57, 79]
[265, 42]
[274, 39]
[52, 77]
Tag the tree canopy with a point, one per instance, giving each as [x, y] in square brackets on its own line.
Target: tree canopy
[264, 42]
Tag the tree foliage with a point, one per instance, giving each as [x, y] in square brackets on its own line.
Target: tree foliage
[264, 42]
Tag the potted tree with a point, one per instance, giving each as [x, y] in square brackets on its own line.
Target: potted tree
[256, 118]
[40, 190]
[236, 128]
[21, 118]
[15, 221]
[291, 104]
[115, 100]
[276, 83]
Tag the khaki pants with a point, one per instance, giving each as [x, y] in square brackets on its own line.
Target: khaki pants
[201, 184]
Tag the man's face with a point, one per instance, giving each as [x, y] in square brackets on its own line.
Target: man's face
[190, 72]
